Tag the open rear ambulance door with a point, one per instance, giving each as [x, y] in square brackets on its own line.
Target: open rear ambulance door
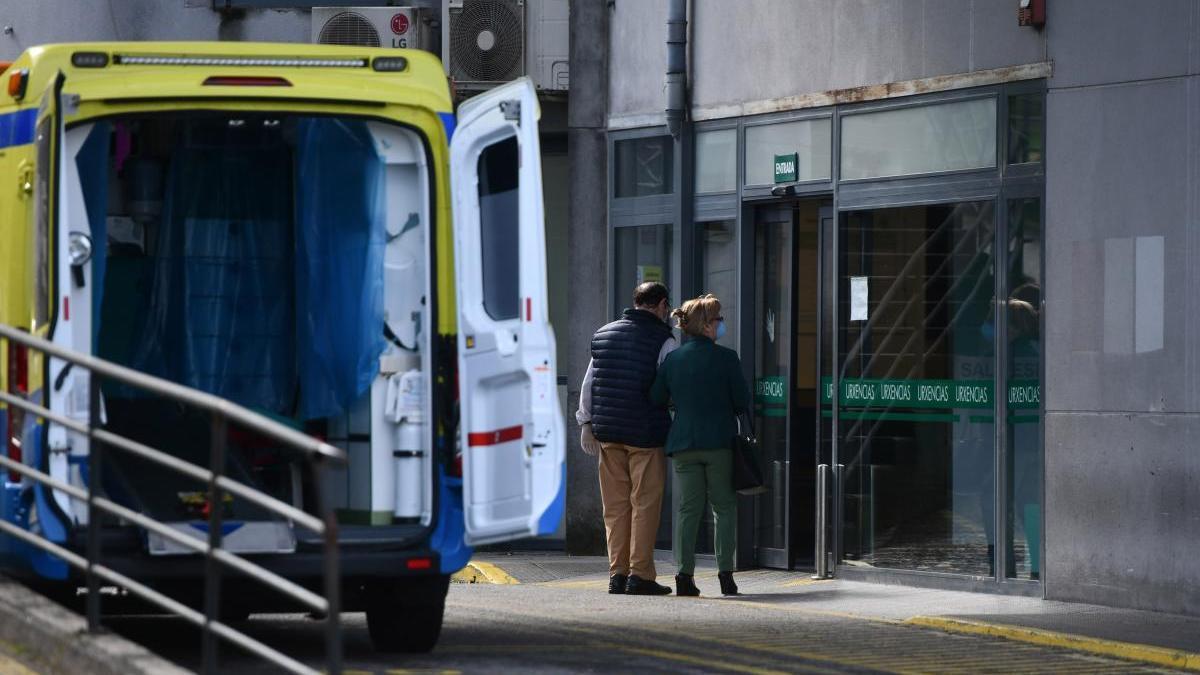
[52, 307]
[514, 471]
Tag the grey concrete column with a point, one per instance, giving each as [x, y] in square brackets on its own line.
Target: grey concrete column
[587, 246]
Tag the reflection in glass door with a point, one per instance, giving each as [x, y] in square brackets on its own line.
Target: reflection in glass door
[1023, 456]
[916, 390]
[773, 282]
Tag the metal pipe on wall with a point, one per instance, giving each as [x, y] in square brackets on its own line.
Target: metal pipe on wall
[676, 66]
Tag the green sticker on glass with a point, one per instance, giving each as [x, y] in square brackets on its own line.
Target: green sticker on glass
[770, 390]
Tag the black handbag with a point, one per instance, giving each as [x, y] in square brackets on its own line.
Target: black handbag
[747, 469]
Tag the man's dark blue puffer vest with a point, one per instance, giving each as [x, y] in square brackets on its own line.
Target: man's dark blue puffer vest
[624, 362]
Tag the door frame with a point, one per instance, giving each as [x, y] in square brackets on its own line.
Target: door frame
[794, 544]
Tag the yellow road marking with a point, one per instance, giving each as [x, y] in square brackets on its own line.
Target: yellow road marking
[814, 612]
[699, 661]
[479, 572]
[11, 667]
[751, 649]
[804, 582]
[591, 583]
[1129, 651]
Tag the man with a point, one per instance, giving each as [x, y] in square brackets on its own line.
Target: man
[628, 432]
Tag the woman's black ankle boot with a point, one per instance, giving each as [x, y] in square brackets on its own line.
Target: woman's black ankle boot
[685, 586]
[727, 585]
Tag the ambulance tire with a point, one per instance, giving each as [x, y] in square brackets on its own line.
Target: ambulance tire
[409, 624]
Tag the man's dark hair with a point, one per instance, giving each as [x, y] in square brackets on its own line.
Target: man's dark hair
[649, 294]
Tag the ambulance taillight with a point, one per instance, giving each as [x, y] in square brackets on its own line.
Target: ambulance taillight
[18, 385]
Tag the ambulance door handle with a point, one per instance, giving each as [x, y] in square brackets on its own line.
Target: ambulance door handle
[506, 341]
[25, 181]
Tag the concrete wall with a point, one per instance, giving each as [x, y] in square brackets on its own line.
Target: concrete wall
[1123, 304]
[587, 239]
[765, 49]
[45, 21]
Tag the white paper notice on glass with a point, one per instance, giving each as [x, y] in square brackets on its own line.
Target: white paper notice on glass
[858, 298]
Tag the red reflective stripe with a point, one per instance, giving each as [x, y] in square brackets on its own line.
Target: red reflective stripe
[478, 438]
[529, 309]
[66, 308]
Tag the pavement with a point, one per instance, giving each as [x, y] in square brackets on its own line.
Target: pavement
[548, 613]
[38, 635]
[1151, 638]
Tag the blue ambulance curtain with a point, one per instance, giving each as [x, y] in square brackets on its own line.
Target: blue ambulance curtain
[221, 306]
[340, 240]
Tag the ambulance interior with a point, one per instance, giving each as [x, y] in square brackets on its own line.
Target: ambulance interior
[278, 261]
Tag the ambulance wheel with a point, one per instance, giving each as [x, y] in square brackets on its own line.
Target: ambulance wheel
[405, 625]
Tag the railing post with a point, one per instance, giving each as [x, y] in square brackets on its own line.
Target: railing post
[333, 581]
[820, 555]
[93, 485]
[212, 569]
[839, 498]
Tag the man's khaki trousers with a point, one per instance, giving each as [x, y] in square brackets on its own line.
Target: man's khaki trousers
[631, 485]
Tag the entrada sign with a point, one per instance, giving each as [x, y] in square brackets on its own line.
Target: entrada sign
[785, 167]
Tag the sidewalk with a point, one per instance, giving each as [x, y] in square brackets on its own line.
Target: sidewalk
[1146, 637]
[39, 636]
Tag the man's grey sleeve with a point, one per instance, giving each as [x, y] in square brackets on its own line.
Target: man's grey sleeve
[584, 414]
[667, 347]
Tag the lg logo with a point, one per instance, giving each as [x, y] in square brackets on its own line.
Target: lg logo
[400, 24]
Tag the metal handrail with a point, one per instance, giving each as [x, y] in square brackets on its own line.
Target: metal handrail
[317, 453]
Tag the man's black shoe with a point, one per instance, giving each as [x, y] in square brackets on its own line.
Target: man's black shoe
[639, 586]
[727, 585]
[685, 586]
[616, 584]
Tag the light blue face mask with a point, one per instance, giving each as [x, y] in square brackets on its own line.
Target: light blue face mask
[720, 329]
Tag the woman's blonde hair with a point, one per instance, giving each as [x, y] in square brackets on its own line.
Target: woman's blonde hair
[695, 314]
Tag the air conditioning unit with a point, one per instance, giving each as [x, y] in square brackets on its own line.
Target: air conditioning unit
[487, 42]
[396, 27]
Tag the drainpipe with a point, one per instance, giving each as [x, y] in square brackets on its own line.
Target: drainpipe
[676, 66]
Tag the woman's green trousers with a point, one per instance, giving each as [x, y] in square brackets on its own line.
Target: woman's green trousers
[700, 474]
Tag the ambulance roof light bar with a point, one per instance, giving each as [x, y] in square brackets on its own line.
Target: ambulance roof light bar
[270, 62]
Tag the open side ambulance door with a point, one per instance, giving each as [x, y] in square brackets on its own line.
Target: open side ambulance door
[514, 472]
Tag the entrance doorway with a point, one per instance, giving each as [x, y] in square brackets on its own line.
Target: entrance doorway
[785, 350]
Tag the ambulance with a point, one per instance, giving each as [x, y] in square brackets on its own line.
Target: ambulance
[310, 232]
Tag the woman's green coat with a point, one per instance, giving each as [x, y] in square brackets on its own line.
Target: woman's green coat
[704, 381]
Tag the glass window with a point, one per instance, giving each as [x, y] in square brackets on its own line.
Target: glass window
[41, 236]
[718, 272]
[499, 221]
[916, 418]
[716, 161]
[922, 139]
[811, 140]
[642, 254]
[643, 166]
[1026, 113]
[1024, 471]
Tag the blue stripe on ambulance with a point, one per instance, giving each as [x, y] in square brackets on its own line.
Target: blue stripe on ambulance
[448, 121]
[17, 128]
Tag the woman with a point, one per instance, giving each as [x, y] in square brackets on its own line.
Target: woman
[704, 382]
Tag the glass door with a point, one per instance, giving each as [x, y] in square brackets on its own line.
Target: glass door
[916, 388]
[774, 279]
